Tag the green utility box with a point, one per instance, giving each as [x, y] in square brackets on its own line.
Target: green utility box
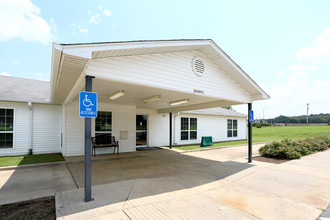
[206, 141]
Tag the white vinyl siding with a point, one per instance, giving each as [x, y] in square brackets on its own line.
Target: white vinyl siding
[210, 125]
[46, 128]
[123, 118]
[171, 71]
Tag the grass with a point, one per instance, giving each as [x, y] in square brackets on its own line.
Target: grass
[266, 134]
[29, 159]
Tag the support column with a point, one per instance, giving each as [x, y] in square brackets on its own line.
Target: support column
[88, 147]
[250, 134]
[170, 130]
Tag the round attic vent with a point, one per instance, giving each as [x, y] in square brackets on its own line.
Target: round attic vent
[198, 66]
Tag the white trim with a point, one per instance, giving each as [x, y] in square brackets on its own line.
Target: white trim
[147, 145]
[14, 129]
[189, 130]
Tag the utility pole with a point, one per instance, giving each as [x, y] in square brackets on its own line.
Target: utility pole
[307, 114]
[263, 115]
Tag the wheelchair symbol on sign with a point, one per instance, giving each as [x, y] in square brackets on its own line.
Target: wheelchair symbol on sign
[87, 102]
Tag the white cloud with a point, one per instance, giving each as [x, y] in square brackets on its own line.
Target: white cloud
[20, 18]
[319, 52]
[305, 82]
[83, 30]
[4, 74]
[79, 28]
[95, 19]
[107, 12]
[42, 76]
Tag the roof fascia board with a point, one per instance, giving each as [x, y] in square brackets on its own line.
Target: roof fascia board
[55, 68]
[86, 50]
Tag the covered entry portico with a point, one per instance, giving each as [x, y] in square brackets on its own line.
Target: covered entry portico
[157, 78]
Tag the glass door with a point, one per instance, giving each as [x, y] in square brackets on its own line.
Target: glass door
[141, 130]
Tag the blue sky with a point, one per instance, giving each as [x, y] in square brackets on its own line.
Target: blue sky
[283, 45]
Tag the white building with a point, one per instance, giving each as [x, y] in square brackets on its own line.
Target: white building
[153, 78]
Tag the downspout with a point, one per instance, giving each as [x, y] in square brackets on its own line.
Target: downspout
[30, 128]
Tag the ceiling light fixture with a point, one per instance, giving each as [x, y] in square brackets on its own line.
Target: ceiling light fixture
[117, 95]
[179, 102]
[152, 99]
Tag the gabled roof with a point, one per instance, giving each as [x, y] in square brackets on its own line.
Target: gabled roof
[24, 90]
[69, 60]
[216, 111]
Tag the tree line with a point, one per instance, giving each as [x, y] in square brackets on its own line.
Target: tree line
[313, 118]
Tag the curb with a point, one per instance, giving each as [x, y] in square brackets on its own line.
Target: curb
[32, 165]
[61, 162]
[216, 148]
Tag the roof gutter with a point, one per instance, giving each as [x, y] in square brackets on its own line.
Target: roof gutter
[56, 67]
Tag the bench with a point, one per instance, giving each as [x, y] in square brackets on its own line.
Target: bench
[114, 144]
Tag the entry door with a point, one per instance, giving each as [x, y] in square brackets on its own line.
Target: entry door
[141, 130]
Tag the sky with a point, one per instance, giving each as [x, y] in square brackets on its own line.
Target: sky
[283, 45]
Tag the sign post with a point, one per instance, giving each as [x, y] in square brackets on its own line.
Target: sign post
[88, 110]
[250, 132]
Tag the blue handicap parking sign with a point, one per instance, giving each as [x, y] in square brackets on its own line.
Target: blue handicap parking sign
[251, 120]
[88, 104]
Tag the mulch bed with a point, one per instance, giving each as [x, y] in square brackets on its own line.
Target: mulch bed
[269, 160]
[43, 208]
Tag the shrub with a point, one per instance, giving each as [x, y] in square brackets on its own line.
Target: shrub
[289, 149]
[264, 124]
[259, 126]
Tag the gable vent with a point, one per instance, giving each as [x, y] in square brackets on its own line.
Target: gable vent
[198, 66]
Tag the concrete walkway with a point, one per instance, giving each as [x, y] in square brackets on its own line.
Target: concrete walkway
[215, 184]
[32, 182]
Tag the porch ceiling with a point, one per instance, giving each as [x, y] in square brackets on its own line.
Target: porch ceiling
[135, 94]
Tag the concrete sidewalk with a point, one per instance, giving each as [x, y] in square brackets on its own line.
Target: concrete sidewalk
[27, 183]
[216, 184]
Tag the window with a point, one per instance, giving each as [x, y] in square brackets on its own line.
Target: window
[188, 128]
[231, 128]
[103, 128]
[6, 128]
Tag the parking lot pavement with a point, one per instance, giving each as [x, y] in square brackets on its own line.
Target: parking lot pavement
[215, 184]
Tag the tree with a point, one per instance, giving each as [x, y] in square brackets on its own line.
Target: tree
[228, 107]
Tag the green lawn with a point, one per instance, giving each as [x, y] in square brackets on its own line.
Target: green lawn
[266, 134]
[29, 159]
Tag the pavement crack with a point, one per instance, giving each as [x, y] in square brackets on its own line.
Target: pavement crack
[74, 180]
[130, 192]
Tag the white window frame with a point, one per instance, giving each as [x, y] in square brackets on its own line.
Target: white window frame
[189, 128]
[10, 132]
[232, 129]
[103, 132]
